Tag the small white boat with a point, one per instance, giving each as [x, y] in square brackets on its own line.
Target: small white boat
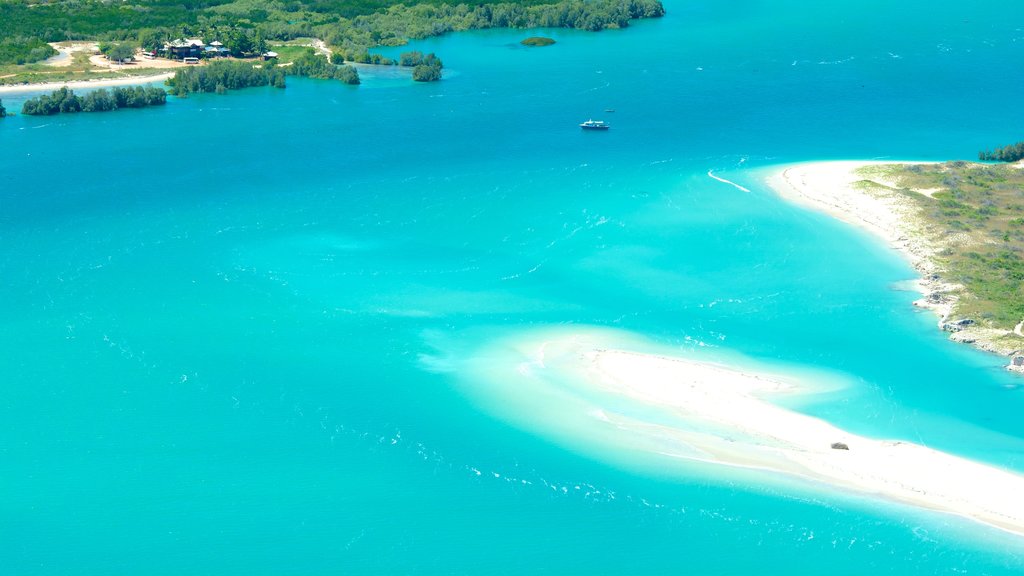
[595, 125]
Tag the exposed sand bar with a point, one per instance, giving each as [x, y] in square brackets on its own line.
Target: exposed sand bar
[567, 384]
[101, 83]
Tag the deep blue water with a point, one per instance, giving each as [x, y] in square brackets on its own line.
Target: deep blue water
[222, 319]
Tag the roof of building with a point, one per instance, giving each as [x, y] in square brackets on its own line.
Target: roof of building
[184, 43]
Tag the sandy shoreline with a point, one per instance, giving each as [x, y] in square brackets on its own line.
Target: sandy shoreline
[837, 188]
[566, 383]
[98, 83]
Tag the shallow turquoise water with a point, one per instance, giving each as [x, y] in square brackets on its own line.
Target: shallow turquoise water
[228, 323]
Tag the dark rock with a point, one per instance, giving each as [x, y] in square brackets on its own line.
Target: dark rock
[957, 325]
[839, 446]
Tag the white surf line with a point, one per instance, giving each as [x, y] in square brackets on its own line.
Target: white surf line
[710, 173]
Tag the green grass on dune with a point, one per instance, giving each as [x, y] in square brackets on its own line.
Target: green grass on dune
[979, 210]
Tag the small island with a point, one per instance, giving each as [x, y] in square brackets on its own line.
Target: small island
[425, 68]
[538, 41]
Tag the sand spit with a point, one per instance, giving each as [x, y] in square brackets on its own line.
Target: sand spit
[690, 410]
[837, 188]
[75, 84]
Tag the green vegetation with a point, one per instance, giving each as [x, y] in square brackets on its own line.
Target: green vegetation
[347, 75]
[289, 53]
[362, 57]
[400, 23]
[538, 41]
[219, 77]
[352, 27]
[3, 111]
[65, 101]
[99, 19]
[118, 98]
[424, 68]
[239, 41]
[117, 52]
[413, 58]
[313, 65]
[223, 75]
[426, 73]
[1010, 153]
[24, 50]
[978, 215]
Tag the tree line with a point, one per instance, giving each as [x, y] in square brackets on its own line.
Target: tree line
[351, 27]
[219, 77]
[54, 21]
[398, 24]
[1008, 153]
[24, 50]
[65, 101]
[313, 65]
[223, 75]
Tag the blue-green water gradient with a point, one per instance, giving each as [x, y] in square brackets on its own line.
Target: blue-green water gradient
[228, 325]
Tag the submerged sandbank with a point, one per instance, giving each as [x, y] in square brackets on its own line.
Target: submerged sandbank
[575, 386]
[873, 201]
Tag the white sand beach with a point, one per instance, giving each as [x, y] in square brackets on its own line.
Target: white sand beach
[831, 188]
[100, 83]
[850, 192]
[717, 414]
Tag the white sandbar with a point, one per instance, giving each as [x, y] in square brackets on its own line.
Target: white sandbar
[712, 413]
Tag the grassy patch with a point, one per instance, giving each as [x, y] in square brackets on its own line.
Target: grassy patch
[289, 52]
[981, 206]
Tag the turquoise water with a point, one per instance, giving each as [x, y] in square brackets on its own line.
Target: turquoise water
[232, 326]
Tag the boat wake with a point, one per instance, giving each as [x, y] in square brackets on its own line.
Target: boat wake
[711, 174]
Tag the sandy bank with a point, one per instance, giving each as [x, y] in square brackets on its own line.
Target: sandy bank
[683, 409]
[857, 194]
[66, 51]
[100, 83]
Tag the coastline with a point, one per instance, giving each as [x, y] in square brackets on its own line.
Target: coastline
[871, 201]
[589, 389]
[95, 83]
